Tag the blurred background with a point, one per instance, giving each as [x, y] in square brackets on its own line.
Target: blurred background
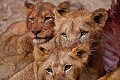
[12, 10]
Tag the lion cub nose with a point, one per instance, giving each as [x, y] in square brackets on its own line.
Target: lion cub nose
[36, 32]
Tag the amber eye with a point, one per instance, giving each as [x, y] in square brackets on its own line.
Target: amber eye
[49, 70]
[64, 35]
[67, 67]
[31, 20]
[47, 18]
[83, 33]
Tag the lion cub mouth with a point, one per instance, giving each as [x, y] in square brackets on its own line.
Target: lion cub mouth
[39, 41]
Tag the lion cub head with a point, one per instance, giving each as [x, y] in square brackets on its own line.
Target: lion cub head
[40, 20]
[64, 64]
[80, 26]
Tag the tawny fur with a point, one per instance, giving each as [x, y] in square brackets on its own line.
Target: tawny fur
[60, 64]
[16, 39]
[15, 54]
[81, 26]
[11, 41]
[15, 49]
[114, 75]
[16, 42]
[40, 23]
[13, 64]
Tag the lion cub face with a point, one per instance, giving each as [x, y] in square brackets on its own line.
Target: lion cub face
[63, 64]
[40, 21]
[80, 26]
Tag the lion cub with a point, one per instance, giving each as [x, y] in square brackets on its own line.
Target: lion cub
[80, 26]
[61, 64]
[41, 23]
[38, 29]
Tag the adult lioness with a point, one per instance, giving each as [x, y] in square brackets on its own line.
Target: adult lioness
[61, 64]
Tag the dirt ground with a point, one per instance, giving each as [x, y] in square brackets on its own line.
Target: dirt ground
[12, 10]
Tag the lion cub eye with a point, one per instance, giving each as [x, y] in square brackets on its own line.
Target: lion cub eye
[31, 20]
[83, 33]
[80, 53]
[49, 70]
[48, 18]
[64, 35]
[67, 67]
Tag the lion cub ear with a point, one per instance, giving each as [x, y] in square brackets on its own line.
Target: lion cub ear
[100, 16]
[30, 5]
[80, 52]
[39, 53]
[63, 7]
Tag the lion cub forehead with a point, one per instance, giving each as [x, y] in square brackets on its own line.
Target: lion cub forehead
[44, 6]
[77, 13]
[58, 51]
[58, 54]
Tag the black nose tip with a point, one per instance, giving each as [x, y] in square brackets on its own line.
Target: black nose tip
[36, 32]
